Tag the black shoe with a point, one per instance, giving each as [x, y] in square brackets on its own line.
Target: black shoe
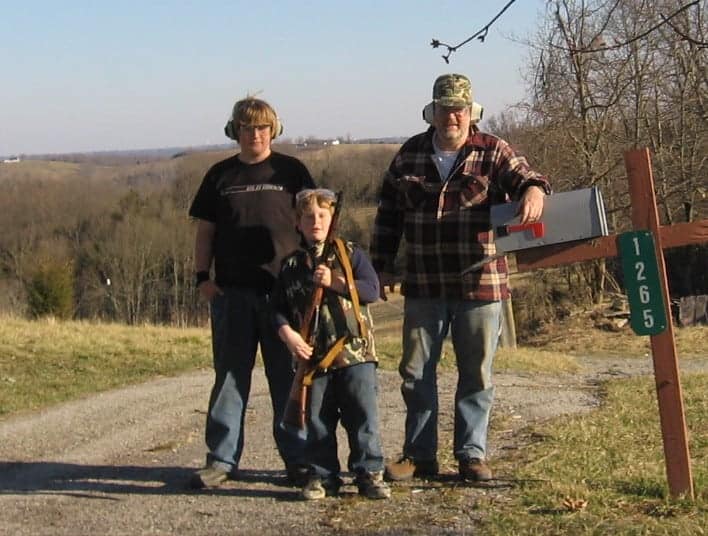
[297, 474]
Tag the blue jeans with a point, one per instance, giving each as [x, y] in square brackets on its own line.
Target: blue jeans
[240, 320]
[348, 393]
[475, 329]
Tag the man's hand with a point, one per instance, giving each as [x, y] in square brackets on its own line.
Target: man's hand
[531, 205]
[386, 279]
[209, 290]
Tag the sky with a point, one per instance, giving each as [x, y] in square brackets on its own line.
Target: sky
[81, 76]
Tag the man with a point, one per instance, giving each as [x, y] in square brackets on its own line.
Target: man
[246, 225]
[437, 193]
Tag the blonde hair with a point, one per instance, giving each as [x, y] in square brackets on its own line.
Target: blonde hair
[251, 111]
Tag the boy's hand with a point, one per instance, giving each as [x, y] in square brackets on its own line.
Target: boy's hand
[322, 276]
[326, 278]
[209, 290]
[295, 343]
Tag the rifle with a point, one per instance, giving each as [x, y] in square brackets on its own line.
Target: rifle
[296, 406]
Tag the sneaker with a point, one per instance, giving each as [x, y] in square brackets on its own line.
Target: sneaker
[208, 477]
[475, 470]
[406, 468]
[296, 474]
[372, 486]
[319, 488]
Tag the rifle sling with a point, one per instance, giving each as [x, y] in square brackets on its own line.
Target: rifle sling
[338, 346]
[349, 277]
[325, 362]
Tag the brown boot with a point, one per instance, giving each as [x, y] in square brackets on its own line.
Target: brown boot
[406, 468]
[474, 470]
[208, 477]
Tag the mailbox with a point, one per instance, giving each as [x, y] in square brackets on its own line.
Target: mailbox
[567, 216]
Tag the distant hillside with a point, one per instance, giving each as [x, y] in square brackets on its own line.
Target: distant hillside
[117, 158]
[141, 156]
[162, 167]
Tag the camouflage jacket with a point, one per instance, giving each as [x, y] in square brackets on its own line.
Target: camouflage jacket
[294, 289]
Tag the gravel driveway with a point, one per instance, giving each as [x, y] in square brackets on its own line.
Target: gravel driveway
[118, 462]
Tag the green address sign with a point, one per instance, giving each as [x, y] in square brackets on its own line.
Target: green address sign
[641, 280]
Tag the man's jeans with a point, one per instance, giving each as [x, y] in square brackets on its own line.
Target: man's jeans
[240, 320]
[349, 394]
[475, 329]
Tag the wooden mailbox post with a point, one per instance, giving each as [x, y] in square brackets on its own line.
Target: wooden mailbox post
[668, 386]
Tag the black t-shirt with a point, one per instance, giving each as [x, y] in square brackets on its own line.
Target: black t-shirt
[253, 207]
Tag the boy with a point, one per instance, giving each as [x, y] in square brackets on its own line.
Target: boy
[348, 386]
[244, 210]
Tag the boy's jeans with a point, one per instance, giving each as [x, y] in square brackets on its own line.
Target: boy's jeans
[240, 320]
[475, 329]
[349, 394]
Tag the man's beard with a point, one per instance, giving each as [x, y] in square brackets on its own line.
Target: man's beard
[451, 134]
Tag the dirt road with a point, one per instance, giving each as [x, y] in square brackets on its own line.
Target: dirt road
[117, 463]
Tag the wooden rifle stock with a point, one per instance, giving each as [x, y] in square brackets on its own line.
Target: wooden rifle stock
[295, 412]
[296, 407]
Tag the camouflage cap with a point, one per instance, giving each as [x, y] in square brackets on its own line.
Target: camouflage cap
[452, 90]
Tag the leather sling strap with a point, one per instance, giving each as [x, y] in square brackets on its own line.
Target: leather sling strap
[338, 346]
[349, 277]
[326, 361]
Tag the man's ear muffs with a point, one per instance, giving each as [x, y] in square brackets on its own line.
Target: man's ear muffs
[476, 111]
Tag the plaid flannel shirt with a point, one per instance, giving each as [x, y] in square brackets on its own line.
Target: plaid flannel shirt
[446, 223]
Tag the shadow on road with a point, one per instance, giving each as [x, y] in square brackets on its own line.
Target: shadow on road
[26, 478]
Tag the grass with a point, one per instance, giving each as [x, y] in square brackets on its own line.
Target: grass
[574, 336]
[519, 359]
[604, 473]
[45, 362]
[599, 473]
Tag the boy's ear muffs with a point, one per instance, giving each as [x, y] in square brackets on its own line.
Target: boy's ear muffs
[231, 130]
[476, 112]
[277, 128]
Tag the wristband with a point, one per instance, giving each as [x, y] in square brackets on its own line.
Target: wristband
[201, 276]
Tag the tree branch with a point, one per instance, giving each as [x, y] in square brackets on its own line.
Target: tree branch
[481, 35]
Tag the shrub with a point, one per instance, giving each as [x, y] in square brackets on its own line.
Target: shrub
[50, 290]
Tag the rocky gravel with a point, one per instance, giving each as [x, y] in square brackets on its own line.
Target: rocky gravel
[118, 462]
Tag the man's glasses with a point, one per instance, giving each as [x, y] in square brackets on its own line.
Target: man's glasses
[320, 193]
[459, 111]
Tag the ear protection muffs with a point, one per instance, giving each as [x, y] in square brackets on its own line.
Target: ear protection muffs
[476, 112]
[231, 130]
